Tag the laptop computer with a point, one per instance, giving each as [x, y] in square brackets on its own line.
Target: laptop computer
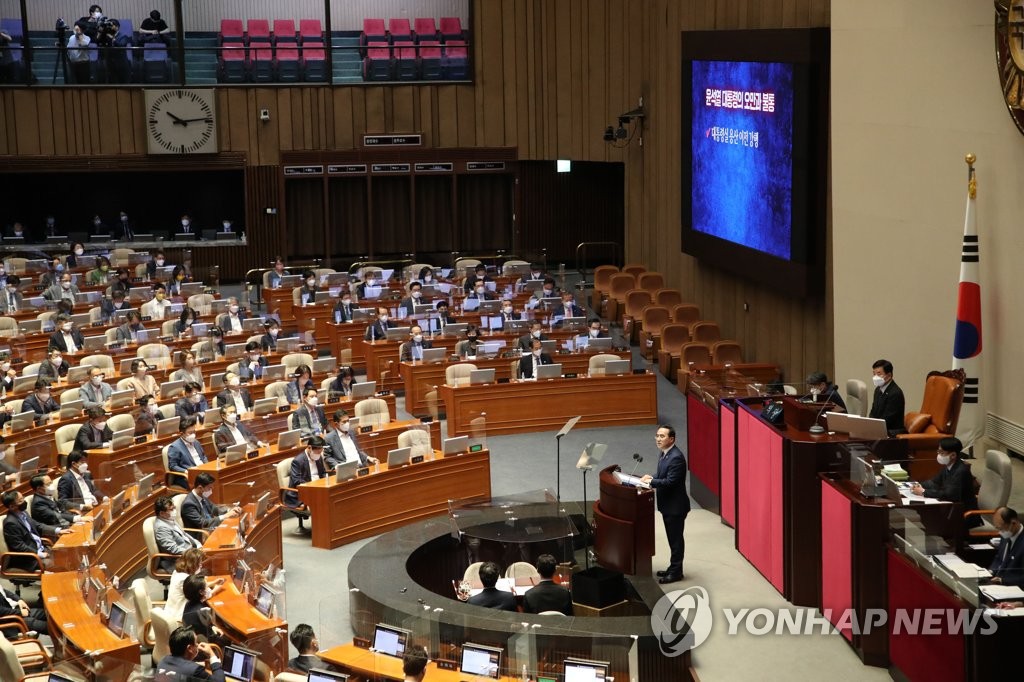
[71, 409]
[145, 486]
[320, 675]
[289, 439]
[95, 343]
[364, 389]
[399, 457]
[482, 376]
[346, 470]
[455, 329]
[264, 406]
[389, 640]
[489, 307]
[167, 427]
[600, 343]
[262, 505]
[482, 661]
[171, 389]
[217, 380]
[289, 344]
[434, 354]
[325, 365]
[548, 371]
[456, 445]
[22, 421]
[117, 619]
[275, 372]
[397, 333]
[253, 325]
[25, 383]
[235, 453]
[614, 367]
[78, 373]
[122, 398]
[239, 664]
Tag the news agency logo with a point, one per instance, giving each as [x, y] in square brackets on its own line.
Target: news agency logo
[681, 620]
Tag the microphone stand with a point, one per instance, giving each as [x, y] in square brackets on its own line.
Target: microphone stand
[558, 451]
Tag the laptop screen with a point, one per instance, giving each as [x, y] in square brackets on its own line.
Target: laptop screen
[481, 660]
[585, 671]
[389, 640]
[318, 675]
[239, 664]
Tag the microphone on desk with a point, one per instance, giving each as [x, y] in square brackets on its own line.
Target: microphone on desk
[636, 458]
[818, 428]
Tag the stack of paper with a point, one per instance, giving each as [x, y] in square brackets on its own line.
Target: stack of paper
[1002, 592]
[895, 472]
[961, 568]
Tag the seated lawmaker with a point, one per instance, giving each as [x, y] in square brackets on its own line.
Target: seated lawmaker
[234, 394]
[341, 387]
[307, 292]
[197, 608]
[530, 361]
[53, 367]
[94, 433]
[309, 417]
[443, 314]
[100, 273]
[46, 511]
[253, 362]
[188, 656]
[40, 401]
[823, 391]
[7, 376]
[66, 338]
[547, 290]
[122, 283]
[95, 391]
[185, 453]
[491, 597]
[12, 300]
[187, 318]
[129, 331]
[480, 292]
[467, 347]
[343, 309]
[170, 537]
[23, 535]
[298, 386]
[378, 330]
[179, 276]
[147, 415]
[479, 276]
[188, 369]
[157, 307]
[342, 443]
[954, 482]
[413, 348]
[75, 487]
[63, 290]
[13, 605]
[232, 431]
[274, 278]
[308, 465]
[888, 402]
[547, 595]
[1008, 564]
[141, 382]
[231, 321]
[304, 639]
[569, 307]
[414, 298]
[199, 513]
[536, 332]
[214, 347]
[157, 261]
[536, 274]
[595, 330]
[272, 329]
[192, 402]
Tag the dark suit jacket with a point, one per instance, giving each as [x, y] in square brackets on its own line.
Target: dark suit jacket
[124, 332]
[526, 364]
[50, 373]
[57, 341]
[224, 321]
[670, 483]
[378, 331]
[831, 394]
[1008, 563]
[526, 341]
[304, 663]
[493, 598]
[337, 450]
[18, 302]
[32, 403]
[47, 512]
[405, 352]
[225, 398]
[576, 310]
[300, 420]
[19, 539]
[299, 474]
[187, 670]
[179, 459]
[548, 596]
[199, 512]
[245, 373]
[268, 342]
[145, 423]
[84, 438]
[184, 407]
[223, 438]
[889, 406]
[341, 314]
[67, 487]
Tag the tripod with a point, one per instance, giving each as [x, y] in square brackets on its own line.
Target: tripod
[62, 56]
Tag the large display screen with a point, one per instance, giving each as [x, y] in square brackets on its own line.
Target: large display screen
[742, 153]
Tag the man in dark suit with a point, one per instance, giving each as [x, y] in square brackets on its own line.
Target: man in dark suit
[116, 305]
[1008, 565]
[185, 452]
[491, 597]
[76, 485]
[305, 641]
[379, 329]
[67, 338]
[192, 402]
[309, 418]
[673, 502]
[413, 348]
[547, 595]
[13, 605]
[536, 332]
[231, 321]
[198, 512]
[187, 656]
[253, 363]
[41, 401]
[22, 534]
[54, 366]
[234, 394]
[888, 402]
[954, 482]
[129, 330]
[528, 362]
[11, 301]
[342, 444]
[414, 298]
[569, 307]
[232, 431]
[308, 465]
[343, 309]
[824, 391]
[94, 433]
[479, 275]
[46, 511]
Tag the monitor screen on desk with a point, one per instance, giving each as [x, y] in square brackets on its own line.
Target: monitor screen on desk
[484, 661]
[241, 575]
[577, 670]
[145, 486]
[118, 618]
[59, 677]
[318, 675]
[389, 640]
[239, 664]
[265, 600]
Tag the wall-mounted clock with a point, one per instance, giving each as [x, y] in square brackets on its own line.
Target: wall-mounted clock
[181, 121]
[1010, 56]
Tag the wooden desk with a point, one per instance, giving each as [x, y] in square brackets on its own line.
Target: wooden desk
[76, 630]
[419, 378]
[527, 406]
[224, 547]
[362, 507]
[248, 627]
[369, 665]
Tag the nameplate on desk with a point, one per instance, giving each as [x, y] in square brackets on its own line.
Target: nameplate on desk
[98, 324]
[167, 339]
[390, 167]
[303, 170]
[15, 361]
[426, 420]
[385, 392]
[284, 408]
[342, 169]
[136, 279]
[415, 459]
[569, 375]
[446, 665]
[476, 448]
[147, 318]
[365, 429]
[140, 439]
[504, 380]
[435, 167]
[410, 140]
[362, 471]
[307, 346]
[485, 165]
[639, 371]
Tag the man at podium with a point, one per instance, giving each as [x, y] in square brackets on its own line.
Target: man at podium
[672, 500]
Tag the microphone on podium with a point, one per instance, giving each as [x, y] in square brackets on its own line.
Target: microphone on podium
[636, 458]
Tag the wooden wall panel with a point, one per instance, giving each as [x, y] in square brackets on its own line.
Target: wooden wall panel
[549, 76]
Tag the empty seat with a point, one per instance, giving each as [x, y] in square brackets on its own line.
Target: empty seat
[706, 332]
[399, 30]
[723, 352]
[694, 353]
[284, 31]
[451, 28]
[618, 285]
[653, 319]
[377, 63]
[667, 297]
[373, 32]
[456, 60]
[635, 269]
[686, 313]
[232, 63]
[405, 61]
[314, 63]
[311, 30]
[635, 302]
[231, 31]
[430, 60]
[652, 281]
[258, 30]
[673, 336]
[261, 59]
[155, 65]
[288, 65]
[602, 280]
[425, 29]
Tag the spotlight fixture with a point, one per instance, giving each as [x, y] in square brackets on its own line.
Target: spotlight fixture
[634, 118]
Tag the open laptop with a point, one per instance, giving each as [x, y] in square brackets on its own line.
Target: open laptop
[122, 439]
[94, 342]
[145, 486]
[548, 371]
[78, 373]
[239, 664]
[325, 365]
[613, 367]
[262, 505]
[234, 453]
[117, 620]
[389, 640]
[264, 406]
[320, 675]
[480, 660]
[434, 354]
[25, 383]
[289, 439]
[397, 333]
[122, 398]
[167, 427]
[346, 470]
[456, 445]
[275, 372]
[71, 409]
[364, 389]
[600, 343]
[482, 376]
[22, 421]
[171, 389]
[399, 457]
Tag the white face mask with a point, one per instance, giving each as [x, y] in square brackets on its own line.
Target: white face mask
[196, 398]
[311, 282]
[83, 468]
[124, 219]
[383, 318]
[417, 337]
[79, 252]
[815, 391]
[273, 332]
[428, 278]
[536, 353]
[153, 409]
[67, 326]
[159, 262]
[101, 425]
[942, 459]
[234, 382]
[315, 456]
[878, 381]
[479, 290]
[346, 301]
[594, 333]
[371, 282]
[207, 494]
[1006, 534]
[189, 438]
[536, 334]
[227, 225]
[58, 361]
[6, 366]
[313, 401]
[66, 285]
[185, 223]
[416, 294]
[507, 309]
[344, 427]
[233, 309]
[96, 381]
[230, 417]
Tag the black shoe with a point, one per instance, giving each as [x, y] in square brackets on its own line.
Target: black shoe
[670, 578]
[661, 574]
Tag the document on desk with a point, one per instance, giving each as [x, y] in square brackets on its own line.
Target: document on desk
[961, 568]
[1002, 592]
[1005, 612]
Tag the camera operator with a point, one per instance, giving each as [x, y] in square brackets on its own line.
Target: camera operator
[91, 22]
[114, 51]
[78, 54]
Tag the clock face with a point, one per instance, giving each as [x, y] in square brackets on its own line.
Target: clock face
[181, 121]
[1009, 26]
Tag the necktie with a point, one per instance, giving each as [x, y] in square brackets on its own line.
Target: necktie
[28, 527]
[10, 303]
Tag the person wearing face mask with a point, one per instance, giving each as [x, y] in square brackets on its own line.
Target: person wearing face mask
[231, 321]
[157, 261]
[192, 402]
[822, 391]
[141, 382]
[275, 275]
[569, 307]
[15, 231]
[306, 294]
[305, 641]
[377, 331]
[467, 347]
[77, 250]
[7, 375]
[121, 284]
[298, 386]
[479, 275]
[595, 330]
[129, 331]
[100, 274]
[183, 326]
[413, 348]
[63, 290]
[371, 281]
[535, 274]
[23, 535]
[536, 333]
[46, 511]
[76, 487]
[233, 431]
[53, 272]
[66, 339]
[888, 402]
[189, 563]
[197, 593]
[156, 308]
[414, 298]
[308, 465]
[188, 369]
[508, 314]
[53, 367]
[40, 401]
[170, 538]
[147, 415]
[99, 227]
[341, 387]
[536, 356]
[954, 482]
[197, 511]
[269, 339]
[125, 229]
[179, 276]
[233, 394]
[309, 418]
[225, 226]
[1008, 564]
[342, 442]
[95, 392]
[12, 300]
[547, 290]
[443, 314]
[91, 22]
[185, 452]
[344, 309]
[94, 433]
[186, 224]
[253, 363]
[213, 348]
[480, 292]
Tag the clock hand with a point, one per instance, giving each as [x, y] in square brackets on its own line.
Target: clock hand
[193, 120]
[177, 121]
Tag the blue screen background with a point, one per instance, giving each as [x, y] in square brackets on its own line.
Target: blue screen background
[741, 193]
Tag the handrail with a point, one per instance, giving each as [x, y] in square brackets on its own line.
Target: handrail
[254, 277]
[581, 260]
[402, 263]
[493, 257]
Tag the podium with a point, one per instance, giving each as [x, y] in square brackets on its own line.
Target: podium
[623, 526]
[803, 415]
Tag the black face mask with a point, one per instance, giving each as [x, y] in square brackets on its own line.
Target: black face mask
[23, 506]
